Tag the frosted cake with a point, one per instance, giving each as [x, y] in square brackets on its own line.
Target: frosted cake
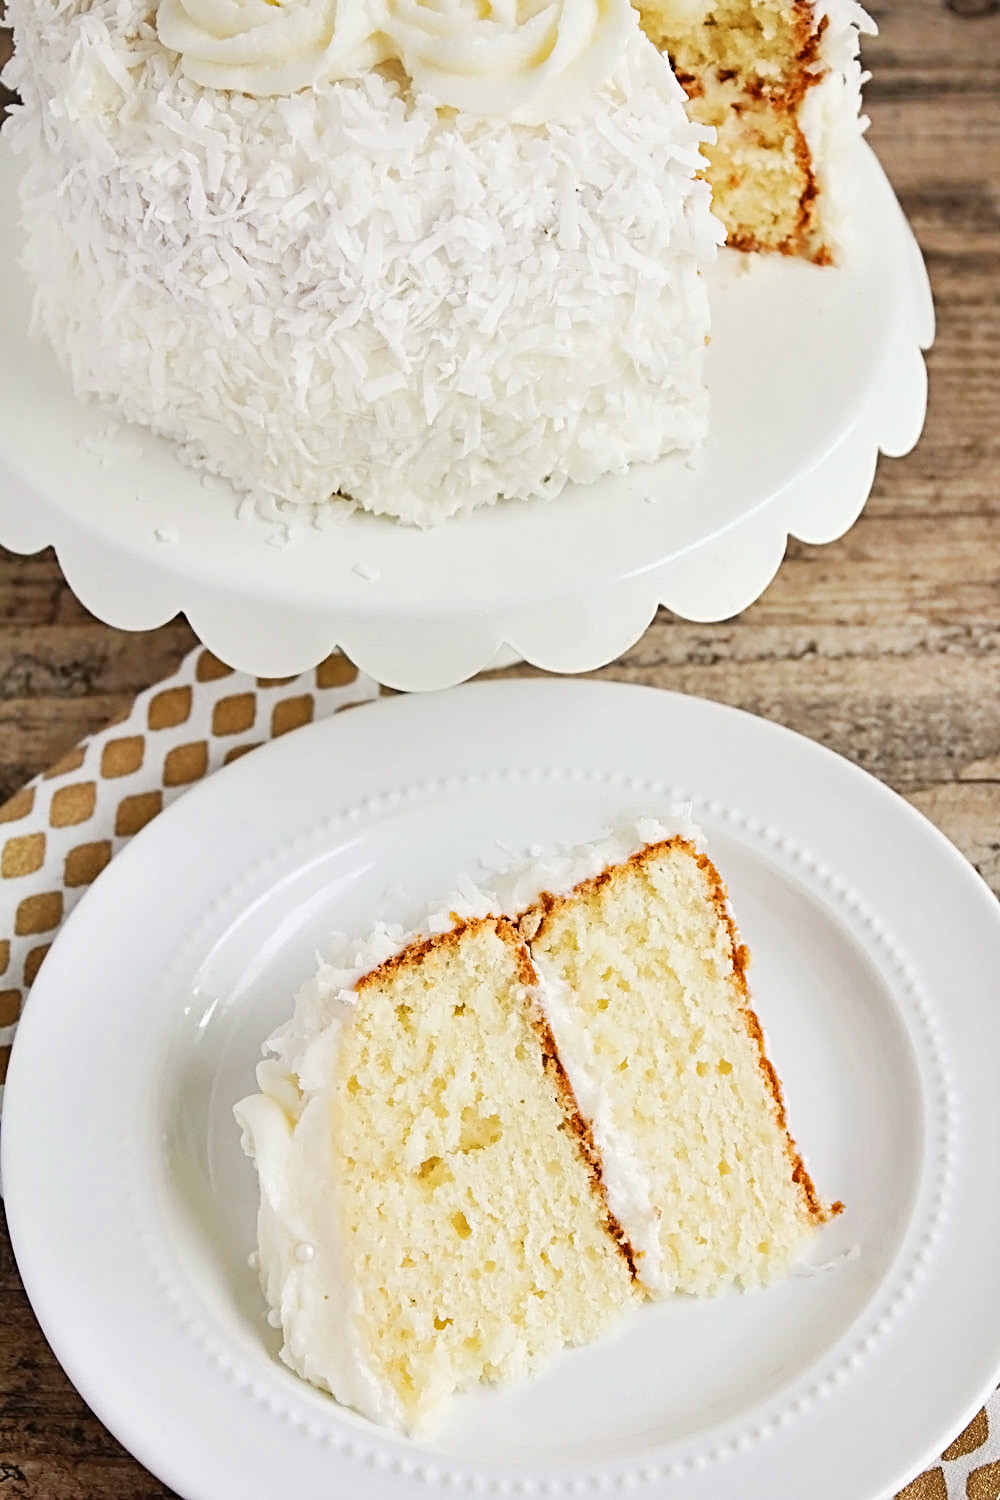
[481, 1145]
[416, 258]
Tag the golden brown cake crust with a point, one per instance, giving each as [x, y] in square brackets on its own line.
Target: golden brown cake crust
[413, 955]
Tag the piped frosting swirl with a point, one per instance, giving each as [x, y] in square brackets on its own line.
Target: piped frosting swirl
[519, 60]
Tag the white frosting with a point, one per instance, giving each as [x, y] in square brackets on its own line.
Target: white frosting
[626, 1186]
[350, 290]
[287, 1125]
[269, 47]
[526, 60]
[287, 1132]
[831, 121]
[558, 872]
[515, 883]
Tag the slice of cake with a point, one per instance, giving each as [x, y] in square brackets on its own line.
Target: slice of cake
[646, 993]
[478, 1147]
[780, 81]
[432, 1211]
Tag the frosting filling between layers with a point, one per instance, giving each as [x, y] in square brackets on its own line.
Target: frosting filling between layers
[557, 873]
[626, 1186]
[781, 82]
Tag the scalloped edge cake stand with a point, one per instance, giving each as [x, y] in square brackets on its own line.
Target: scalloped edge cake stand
[812, 374]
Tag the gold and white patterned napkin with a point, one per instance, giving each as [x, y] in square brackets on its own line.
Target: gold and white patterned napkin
[970, 1467]
[59, 832]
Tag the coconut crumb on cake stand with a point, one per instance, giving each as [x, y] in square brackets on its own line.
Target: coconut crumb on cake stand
[811, 372]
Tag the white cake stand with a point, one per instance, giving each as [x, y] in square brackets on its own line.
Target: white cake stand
[812, 373]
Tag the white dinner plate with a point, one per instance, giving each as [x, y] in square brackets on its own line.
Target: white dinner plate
[875, 955]
[812, 371]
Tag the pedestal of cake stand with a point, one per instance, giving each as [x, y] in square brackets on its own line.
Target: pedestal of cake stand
[812, 372]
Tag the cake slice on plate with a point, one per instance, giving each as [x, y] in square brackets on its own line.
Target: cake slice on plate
[480, 1146]
[646, 994]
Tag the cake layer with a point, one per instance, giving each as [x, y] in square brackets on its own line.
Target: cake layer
[418, 1143]
[780, 83]
[644, 979]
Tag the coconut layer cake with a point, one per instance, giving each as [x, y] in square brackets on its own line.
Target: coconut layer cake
[415, 258]
[483, 1145]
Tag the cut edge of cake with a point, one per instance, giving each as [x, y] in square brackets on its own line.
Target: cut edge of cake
[781, 85]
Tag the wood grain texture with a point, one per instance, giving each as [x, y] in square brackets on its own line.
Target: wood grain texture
[885, 646]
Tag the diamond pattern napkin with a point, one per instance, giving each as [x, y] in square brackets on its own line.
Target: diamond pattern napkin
[59, 832]
[970, 1467]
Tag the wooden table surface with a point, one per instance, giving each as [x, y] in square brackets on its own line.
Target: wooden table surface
[884, 645]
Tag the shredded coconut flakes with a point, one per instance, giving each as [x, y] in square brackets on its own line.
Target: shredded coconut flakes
[346, 293]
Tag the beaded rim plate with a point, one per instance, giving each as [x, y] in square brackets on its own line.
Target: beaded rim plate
[812, 373]
[875, 949]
